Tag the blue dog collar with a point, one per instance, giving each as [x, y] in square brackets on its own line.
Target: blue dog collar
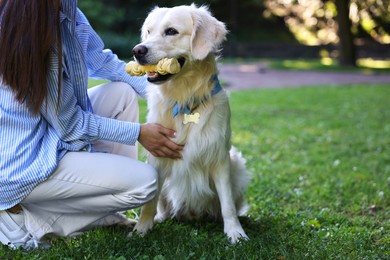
[186, 109]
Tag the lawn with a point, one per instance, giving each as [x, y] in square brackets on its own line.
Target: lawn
[365, 66]
[320, 164]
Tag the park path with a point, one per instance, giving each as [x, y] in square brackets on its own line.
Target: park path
[249, 76]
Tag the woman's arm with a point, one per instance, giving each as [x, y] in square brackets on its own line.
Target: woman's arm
[103, 63]
[75, 124]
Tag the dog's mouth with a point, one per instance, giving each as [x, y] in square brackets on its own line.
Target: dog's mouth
[156, 78]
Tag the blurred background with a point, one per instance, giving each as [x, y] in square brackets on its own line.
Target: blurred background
[334, 31]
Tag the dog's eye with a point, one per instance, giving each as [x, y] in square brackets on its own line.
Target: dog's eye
[171, 31]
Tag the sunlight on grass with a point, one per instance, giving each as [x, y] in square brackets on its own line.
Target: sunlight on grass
[297, 64]
[330, 64]
[376, 64]
[327, 61]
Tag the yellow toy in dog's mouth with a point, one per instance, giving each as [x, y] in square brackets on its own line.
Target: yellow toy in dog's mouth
[163, 67]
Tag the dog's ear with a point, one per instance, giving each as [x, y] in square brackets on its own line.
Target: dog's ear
[208, 33]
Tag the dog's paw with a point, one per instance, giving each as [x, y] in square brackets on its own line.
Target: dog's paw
[236, 235]
[142, 227]
[159, 218]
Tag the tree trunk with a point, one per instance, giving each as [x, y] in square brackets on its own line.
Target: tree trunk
[347, 51]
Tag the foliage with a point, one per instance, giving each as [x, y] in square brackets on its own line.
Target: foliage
[373, 16]
[320, 175]
[251, 21]
[313, 22]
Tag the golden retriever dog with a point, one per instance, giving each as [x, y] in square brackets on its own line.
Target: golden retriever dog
[210, 178]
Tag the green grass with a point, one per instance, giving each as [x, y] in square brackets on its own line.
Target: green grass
[94, 82]
[320, 161]
[365, 66]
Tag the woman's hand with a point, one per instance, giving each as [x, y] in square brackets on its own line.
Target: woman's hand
[155, 139]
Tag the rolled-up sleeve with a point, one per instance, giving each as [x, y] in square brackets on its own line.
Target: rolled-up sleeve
[103, 63]
[75, 124]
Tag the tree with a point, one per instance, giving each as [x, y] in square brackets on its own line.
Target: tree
[347, 51]
[319, 22]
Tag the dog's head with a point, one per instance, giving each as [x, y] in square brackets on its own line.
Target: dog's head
[188, 33]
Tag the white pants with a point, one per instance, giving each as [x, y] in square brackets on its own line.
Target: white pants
[87, 189]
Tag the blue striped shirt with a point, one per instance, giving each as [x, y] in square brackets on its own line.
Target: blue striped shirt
[31, 145]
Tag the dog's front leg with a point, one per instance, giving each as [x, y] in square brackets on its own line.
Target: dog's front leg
[232, 226]
[145, 221]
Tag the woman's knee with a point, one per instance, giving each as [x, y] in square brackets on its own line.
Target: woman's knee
[115, 99]
[144, 192]
[151, 180]
[123, 91]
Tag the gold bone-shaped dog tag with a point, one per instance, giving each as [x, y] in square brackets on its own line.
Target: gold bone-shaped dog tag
[191, 118]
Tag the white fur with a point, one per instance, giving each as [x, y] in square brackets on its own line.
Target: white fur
[210, 178]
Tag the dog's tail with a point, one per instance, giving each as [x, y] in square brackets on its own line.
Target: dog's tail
[240, 180]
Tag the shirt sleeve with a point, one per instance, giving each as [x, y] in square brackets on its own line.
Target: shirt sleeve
[77, 127]
[103, 63]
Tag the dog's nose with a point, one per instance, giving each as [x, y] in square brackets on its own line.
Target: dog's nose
[140, 51]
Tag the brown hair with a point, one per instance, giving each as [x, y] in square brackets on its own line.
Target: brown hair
[28, 31]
